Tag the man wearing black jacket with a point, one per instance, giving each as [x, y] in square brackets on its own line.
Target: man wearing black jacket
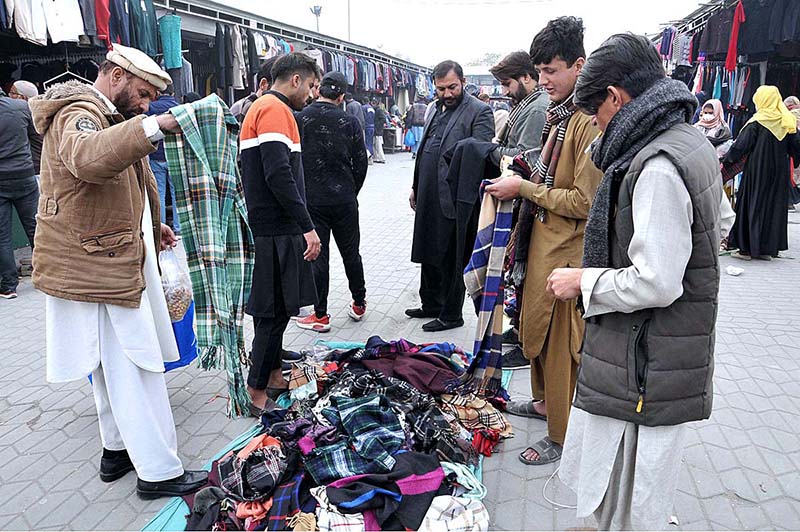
[335, 166]
[286, 242]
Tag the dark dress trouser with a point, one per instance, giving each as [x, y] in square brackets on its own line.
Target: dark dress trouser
[342, 221]
[442, 286]
[268, 338]
[22, 195]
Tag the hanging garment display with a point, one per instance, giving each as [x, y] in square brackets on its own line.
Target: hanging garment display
[64, 20]
[143, 26]
[169, 29]
[30, 21]
[218, 241]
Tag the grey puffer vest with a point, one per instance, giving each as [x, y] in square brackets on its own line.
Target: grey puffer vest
[654, 367]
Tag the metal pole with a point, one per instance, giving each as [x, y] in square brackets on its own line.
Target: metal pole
[348, 22]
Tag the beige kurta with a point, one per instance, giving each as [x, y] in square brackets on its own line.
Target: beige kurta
[551, 331]
[558, 241]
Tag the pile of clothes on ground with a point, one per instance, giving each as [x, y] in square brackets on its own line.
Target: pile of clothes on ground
[378, 436]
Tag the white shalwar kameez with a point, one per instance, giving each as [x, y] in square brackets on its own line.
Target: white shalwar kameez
[626, 474]
[124, 350]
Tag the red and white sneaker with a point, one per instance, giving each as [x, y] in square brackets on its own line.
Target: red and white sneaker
[313, 323]
[357, 312]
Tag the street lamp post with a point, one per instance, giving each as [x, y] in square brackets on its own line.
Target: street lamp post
[317, 11]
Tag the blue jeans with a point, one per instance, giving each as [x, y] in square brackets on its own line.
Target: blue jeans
[369, 139]
[22, 195]
[417, 131]
[162, 177]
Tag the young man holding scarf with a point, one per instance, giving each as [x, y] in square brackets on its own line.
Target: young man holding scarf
[649, 302]
[549, 234]
[522, 132]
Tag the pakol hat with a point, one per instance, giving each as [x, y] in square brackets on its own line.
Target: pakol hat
[335, 81]
[139, 64]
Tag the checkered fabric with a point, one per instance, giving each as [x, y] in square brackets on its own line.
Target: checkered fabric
[336, 461]
[219, 244]
[254, 478]
[455, 514]
[483, 278]
[284, 503]
[330, 519]
[476, 413]
[372, 426]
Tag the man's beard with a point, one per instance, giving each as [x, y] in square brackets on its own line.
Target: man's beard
[453, 102]
[124, 107]
[520, 95]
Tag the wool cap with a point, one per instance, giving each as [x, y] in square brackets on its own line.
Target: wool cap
[139, 64]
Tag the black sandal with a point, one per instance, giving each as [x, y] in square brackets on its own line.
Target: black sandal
[548, 451]
[524, 409]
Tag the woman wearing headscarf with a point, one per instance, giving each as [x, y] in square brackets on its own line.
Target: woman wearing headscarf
[793, 105]
[768, 140]
[712, 123]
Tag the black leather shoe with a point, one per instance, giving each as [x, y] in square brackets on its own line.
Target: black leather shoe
[185, 484]
[421, 313]
[115, 467]
[442, 325]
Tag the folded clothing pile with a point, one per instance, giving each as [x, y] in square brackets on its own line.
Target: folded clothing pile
[371, 438]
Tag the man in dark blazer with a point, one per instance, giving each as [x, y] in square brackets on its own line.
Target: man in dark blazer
[457, 116]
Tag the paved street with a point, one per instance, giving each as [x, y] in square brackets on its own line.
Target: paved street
[740, 469]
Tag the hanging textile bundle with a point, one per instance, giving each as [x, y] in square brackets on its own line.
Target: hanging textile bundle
[217, 237]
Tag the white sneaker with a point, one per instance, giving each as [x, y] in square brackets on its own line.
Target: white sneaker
[357, 312]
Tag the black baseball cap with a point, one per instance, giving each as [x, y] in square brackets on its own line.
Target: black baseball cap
[335, 81]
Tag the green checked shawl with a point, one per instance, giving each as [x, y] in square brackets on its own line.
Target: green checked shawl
[217, 238]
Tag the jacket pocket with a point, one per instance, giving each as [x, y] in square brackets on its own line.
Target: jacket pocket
[106, 240]
[47, 206]
[641, 359]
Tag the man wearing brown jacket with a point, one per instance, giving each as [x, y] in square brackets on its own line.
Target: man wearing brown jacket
[553, 216]
[96, 260]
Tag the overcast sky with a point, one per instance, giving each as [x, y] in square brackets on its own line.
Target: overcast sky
[427, 31]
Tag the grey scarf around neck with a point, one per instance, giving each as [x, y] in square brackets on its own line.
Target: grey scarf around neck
[667, 103]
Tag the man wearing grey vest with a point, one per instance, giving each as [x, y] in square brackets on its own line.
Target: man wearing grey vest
[648, 286]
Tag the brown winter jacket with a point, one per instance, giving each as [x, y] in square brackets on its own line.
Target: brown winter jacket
[94, 174]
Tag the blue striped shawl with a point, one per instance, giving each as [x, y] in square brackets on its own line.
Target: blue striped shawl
[483, 278]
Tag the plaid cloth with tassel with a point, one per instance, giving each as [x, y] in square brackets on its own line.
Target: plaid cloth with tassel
[217, 238]
[483, 277]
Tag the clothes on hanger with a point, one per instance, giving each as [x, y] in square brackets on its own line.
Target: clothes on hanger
[64, 20]
[169, 29]
[143, 26]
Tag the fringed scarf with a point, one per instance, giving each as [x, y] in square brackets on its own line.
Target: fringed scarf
[219, 245]
[483, 278]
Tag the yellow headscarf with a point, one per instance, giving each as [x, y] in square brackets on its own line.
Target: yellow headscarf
[772, 113]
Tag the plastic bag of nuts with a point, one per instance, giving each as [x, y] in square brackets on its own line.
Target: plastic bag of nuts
[176, 284]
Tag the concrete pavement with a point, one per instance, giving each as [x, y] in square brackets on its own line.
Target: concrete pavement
[740, 469]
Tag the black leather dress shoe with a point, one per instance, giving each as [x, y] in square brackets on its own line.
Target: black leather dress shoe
[421, 313]
[185, 484]
[442, 325]
[114, 465]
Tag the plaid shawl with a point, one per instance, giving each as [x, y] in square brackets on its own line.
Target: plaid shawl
[484, 280]
[219, 245]
[542, 171]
